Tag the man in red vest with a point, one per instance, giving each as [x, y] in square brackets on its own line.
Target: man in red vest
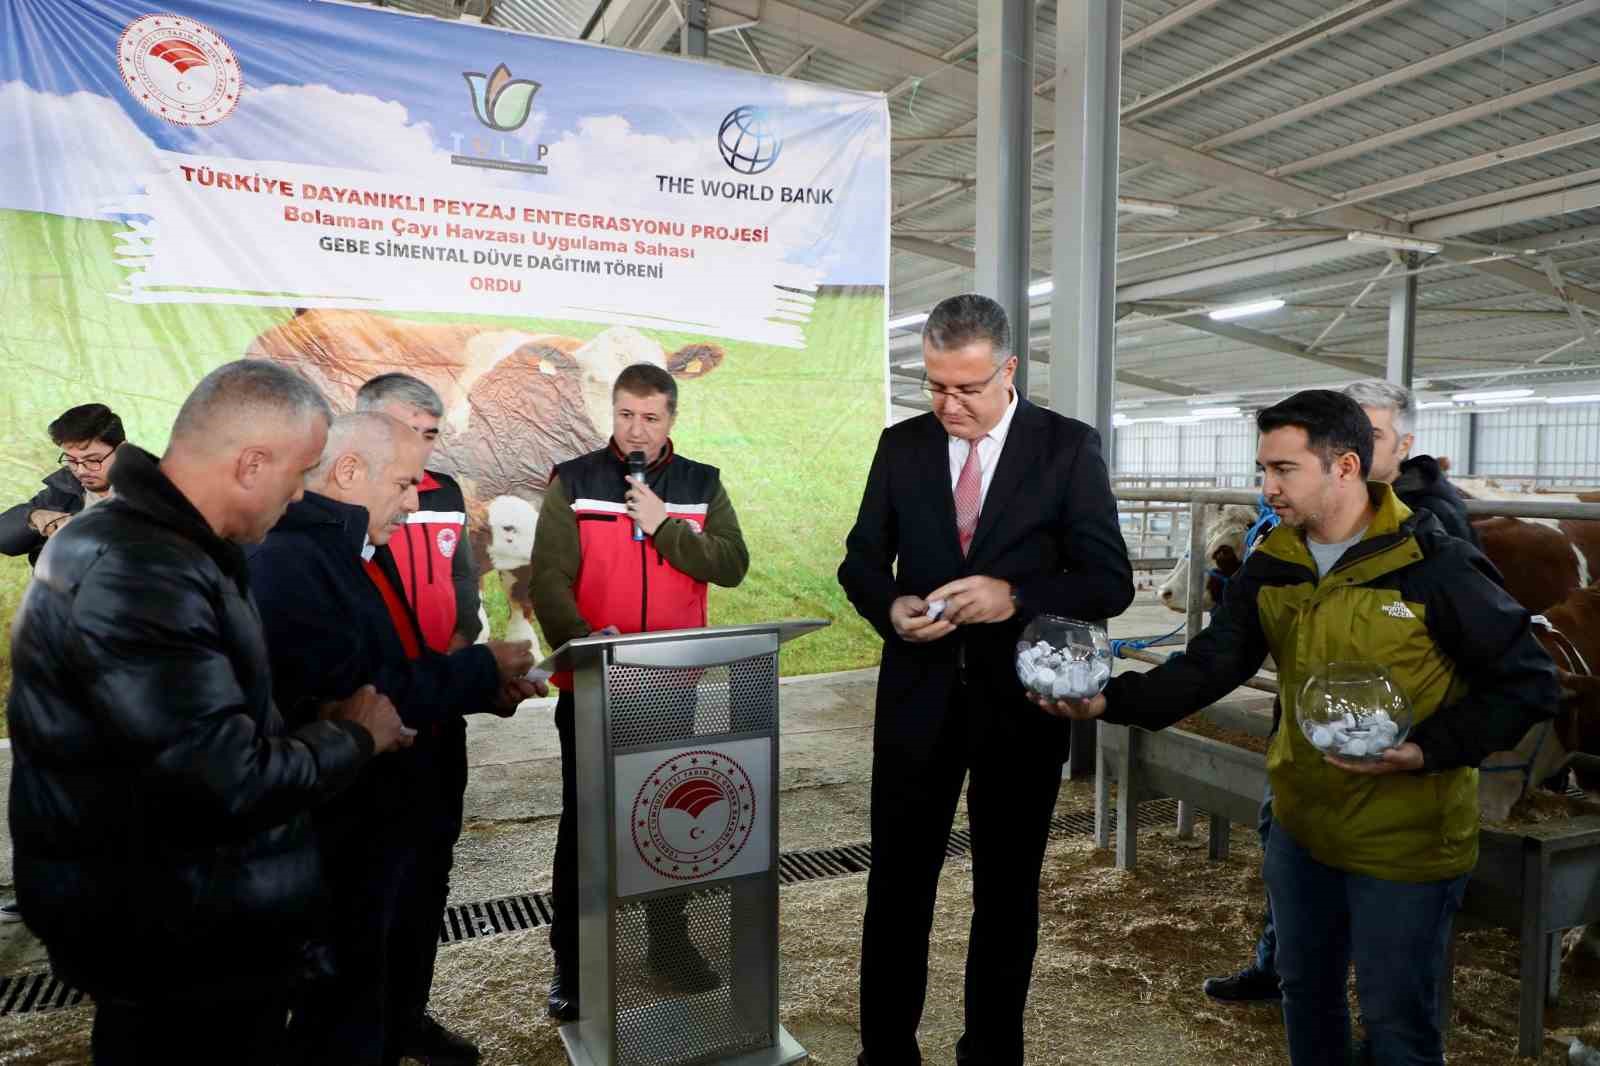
[590, 575]
[432, 557]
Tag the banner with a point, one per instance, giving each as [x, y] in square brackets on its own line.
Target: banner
[512, 218]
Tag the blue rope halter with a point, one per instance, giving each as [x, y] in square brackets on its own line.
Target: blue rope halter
[1266, 520]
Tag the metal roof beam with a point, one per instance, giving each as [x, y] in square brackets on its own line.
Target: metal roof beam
[1511, 211]
[1550, 20]
[618, 20]
[1154, 384]
[1576, 80]
[800, 61]
[1524, 278]
[1292, 256]
[755, 53]
[1257, 339]
[857, 45]
[1138, 144]
[1539, 146]
[1347, 17]
[1168, 21]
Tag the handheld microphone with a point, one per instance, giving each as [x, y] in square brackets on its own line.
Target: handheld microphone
[636, 467]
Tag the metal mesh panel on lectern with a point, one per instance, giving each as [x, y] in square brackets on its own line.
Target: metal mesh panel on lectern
[679, 999]
[688, 982]
[654, 706]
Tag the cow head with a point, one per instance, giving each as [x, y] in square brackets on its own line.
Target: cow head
[1225, 532]
[512, 521]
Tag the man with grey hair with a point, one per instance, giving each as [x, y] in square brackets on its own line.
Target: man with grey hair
[335, 620]
[160, 807]
[1417, 480]
[976, 517]
[433, 559]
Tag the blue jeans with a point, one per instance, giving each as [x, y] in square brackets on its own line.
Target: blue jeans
[1267, 942]
[1396, 932]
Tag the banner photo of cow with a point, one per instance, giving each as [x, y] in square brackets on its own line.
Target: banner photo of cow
[514, 219]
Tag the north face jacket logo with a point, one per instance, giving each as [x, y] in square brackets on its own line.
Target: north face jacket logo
[1397, 610]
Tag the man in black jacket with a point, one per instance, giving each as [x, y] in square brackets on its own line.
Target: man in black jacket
[88, 436]
[336, 619]
[1417, 479]
[158, 803]
[1001, 510]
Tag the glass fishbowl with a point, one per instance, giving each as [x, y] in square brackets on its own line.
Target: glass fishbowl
[1353, 710]
[1063, 658]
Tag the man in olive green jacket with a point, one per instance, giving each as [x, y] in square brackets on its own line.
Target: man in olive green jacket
[1367, 861]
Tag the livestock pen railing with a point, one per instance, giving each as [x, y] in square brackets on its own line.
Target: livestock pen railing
[1536, 881]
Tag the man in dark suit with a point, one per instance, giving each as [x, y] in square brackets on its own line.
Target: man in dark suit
[1002, 510]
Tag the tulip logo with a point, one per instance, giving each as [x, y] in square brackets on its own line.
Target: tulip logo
[500, 101]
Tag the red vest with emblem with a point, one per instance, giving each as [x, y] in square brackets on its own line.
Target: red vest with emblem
[623, 582]
[424, 551]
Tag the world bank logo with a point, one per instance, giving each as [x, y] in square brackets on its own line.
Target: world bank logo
[747, 141]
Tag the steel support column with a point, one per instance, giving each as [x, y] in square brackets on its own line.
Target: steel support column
[694, 39]
[1083, 309]
[1005, 163]
[1402, 360]
[1472, 444]
[1083, 341]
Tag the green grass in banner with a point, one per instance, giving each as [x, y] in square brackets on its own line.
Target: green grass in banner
[792, 430]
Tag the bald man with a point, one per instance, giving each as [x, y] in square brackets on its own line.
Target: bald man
[336, 619]
[159, 804]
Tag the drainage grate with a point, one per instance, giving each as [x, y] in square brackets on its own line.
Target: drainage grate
[512, 914]
[29, 993]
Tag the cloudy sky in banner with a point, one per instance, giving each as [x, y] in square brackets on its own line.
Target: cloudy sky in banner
[342, 85]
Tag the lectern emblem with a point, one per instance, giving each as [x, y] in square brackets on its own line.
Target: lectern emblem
[693, 814]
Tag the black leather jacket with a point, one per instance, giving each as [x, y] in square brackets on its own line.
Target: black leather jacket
[158, 807]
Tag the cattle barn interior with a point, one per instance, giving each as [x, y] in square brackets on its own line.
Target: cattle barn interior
[1296, 194]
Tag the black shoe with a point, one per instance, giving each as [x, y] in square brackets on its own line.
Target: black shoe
[563, 1000]
[679, 965]
[434, 1045]
[1249, 985]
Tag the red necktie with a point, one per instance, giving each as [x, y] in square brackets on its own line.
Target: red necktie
[969, 497]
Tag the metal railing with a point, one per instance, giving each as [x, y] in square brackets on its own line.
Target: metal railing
[1197, 499]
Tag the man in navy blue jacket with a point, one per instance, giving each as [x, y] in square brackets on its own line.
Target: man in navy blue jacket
[335, 620]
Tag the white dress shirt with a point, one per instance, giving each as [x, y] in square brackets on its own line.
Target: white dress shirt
[989, 447]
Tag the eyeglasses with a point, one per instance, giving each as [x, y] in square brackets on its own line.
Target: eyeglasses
[934, 391]
[88, 462]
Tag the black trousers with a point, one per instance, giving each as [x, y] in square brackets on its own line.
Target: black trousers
[1011, 795]
[665, 917]
[424, 893]
[189, 1034]
[344, 1021]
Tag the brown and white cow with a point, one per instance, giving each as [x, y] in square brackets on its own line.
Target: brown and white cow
[516, 404]
[1225, 532]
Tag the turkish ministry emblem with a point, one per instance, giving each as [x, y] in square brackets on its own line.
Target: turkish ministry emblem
[693, 815]
[179, 69]
[447, 539]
